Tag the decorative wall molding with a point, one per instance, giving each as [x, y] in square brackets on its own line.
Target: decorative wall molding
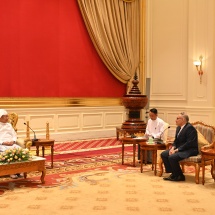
[167, 44]
[71, 123]
[178, 32]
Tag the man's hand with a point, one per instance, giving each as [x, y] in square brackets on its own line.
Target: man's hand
[8, 143]
[172, 151]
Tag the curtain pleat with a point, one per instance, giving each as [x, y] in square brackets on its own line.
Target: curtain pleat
[114, 28]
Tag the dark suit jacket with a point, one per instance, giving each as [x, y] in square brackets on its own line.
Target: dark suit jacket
[187, 141]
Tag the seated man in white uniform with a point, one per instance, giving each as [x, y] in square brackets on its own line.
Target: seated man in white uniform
[7, 136]
[155, 127]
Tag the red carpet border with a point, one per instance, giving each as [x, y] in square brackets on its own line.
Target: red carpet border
[86, 145]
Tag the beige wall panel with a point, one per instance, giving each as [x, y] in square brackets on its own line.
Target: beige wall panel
[20, 124]
[178, 32]
[113, 119]
[204, 118]
[92, 120]
[68, 121]
[168, 49]
[39, 122]
[201, 37]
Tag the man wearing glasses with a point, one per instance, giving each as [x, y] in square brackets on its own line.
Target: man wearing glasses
[184, 146]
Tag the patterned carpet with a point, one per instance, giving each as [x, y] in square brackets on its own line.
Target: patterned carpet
[93, 181]
[70, 158]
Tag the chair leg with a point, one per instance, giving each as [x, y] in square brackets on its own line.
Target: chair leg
[212, 169]
[145, 156]
[122, 153]
[182, 167]
[197, 170]
[141, 160]
[160, 164]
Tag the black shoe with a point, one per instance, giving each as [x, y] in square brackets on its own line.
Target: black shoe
[179, 178]
[170, 178]
[20, 175]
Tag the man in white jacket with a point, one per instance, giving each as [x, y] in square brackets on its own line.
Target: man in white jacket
[8, 136]
[154, 129]
[155, 125]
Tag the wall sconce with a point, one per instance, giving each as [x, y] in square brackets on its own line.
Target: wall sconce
[198, 65]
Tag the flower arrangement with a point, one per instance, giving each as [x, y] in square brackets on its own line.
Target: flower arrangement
[15, 155]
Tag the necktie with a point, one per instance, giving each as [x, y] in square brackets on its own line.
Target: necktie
[179, 132]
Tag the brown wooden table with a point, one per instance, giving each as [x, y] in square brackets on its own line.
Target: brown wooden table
[44, 143]
[206, 155]
[131, 141]
[144, 147]
[34, 164]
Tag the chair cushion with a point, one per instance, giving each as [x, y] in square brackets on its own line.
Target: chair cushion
[195, 159]
[201, 141]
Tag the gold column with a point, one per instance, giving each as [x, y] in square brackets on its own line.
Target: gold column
[47, 131]
[142, 77]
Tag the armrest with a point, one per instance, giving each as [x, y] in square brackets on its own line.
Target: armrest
[211, 146]
[20, 142]
[24, 143]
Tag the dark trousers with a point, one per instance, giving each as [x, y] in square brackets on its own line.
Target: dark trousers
[171, 163]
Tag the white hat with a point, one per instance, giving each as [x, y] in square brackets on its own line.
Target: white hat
[3, 112]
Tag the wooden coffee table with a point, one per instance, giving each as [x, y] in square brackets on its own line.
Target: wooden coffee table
[36, 164]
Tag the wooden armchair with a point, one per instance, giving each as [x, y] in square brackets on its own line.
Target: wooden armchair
[206, 137]
[208, 152]
[24, 143]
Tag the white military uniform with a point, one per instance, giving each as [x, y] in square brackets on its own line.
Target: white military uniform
[155, 128]
[7, 134]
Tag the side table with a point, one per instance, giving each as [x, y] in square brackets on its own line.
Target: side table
[144, 146]
[44, 143]
[134, 142]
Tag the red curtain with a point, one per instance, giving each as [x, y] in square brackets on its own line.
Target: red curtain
[45, 51]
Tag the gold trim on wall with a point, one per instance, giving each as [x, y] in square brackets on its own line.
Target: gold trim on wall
[142, 78]
[57, 102]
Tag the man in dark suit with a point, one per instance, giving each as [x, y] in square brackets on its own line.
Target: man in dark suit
[184, 146]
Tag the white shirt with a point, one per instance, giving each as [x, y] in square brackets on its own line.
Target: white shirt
[181, 129]
[155, 128]
[7, 134]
